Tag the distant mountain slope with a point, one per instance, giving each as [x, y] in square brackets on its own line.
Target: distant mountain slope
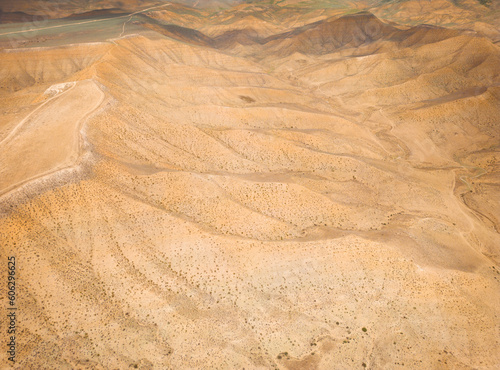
[15, 17]
[60, 9]
[320, 37]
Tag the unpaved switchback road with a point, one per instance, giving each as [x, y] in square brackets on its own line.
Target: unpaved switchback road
[47, 140]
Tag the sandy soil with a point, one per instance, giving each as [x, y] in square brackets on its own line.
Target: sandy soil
[175, 201]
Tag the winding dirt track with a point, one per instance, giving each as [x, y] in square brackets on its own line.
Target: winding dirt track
[48, 138]
[20, 124]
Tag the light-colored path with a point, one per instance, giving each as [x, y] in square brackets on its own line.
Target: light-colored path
[48, 139]
[20, 124]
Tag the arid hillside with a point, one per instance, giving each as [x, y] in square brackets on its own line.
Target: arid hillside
[274, 185]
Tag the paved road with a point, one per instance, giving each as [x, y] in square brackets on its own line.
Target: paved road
[84, 22]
